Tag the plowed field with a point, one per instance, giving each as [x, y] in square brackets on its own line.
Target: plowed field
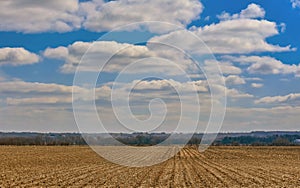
[73, 166]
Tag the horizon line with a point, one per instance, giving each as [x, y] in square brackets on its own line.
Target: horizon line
[225, 132]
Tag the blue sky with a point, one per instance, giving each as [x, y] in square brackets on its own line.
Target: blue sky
[256, 44]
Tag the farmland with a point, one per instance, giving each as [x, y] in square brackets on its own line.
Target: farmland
[79, 166]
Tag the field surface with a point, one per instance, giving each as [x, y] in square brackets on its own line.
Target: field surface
[74, 166]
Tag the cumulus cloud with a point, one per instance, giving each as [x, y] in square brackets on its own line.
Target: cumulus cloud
[292, 98]
[99, 51]
[225, 67]
[37, 100]
[28, 87]
[201, 86]
[252, 11]
[228, 68]
[295, 3]
[151, 58]
[282, 27]
[60, 53]
[249, 119]
[257, 85]
[30, 16]
[100, 16]
[42, 99]
[17, 57]
[25, 93]
[240, 33]
[234, 80]
[266, 65]
[18, 92]
[236, 94]
[231, 93]
[253, 79]
[95, 15]
[196, 86]
[239, 36]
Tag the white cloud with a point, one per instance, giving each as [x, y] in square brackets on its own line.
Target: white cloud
[249, 119]
[292, 98]
[165, 89]
[99, 51]
[17, 57]
[231, 93]
[252, 11]
[257, 85]
[100, 16]
[26, 93]
[37, 100]
[266, 65]
[285, 79]
[2, 78]
[19, 92]
[243, 60]
[151, 58]
[240, 36]
[269, 65]
[253, 79]
[32, 118]
[212, 66]
[228, 68]
[58, 53]
[30, 16]
[97, 15]
[295, 3]
[27, 87]
[234, 80]
[236, 94]
[207, 18]
[197, 86]
[282, 27]
[224, 16]
[52, 101]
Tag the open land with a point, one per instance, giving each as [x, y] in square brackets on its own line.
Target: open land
[79, 166]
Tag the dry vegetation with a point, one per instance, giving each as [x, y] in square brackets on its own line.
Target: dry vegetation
[76, 166]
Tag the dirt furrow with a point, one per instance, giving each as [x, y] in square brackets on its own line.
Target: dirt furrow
[179, 173]
[255, 174]
[247, 177]
[227, 177]
[194, 177]
[162, 174]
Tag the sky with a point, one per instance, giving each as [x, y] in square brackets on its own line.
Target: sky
[172, 62]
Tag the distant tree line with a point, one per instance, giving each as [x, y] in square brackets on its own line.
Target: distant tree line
[46, 140]
[274, 140]
[154, 139]
[135, 139]
[142, 139]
